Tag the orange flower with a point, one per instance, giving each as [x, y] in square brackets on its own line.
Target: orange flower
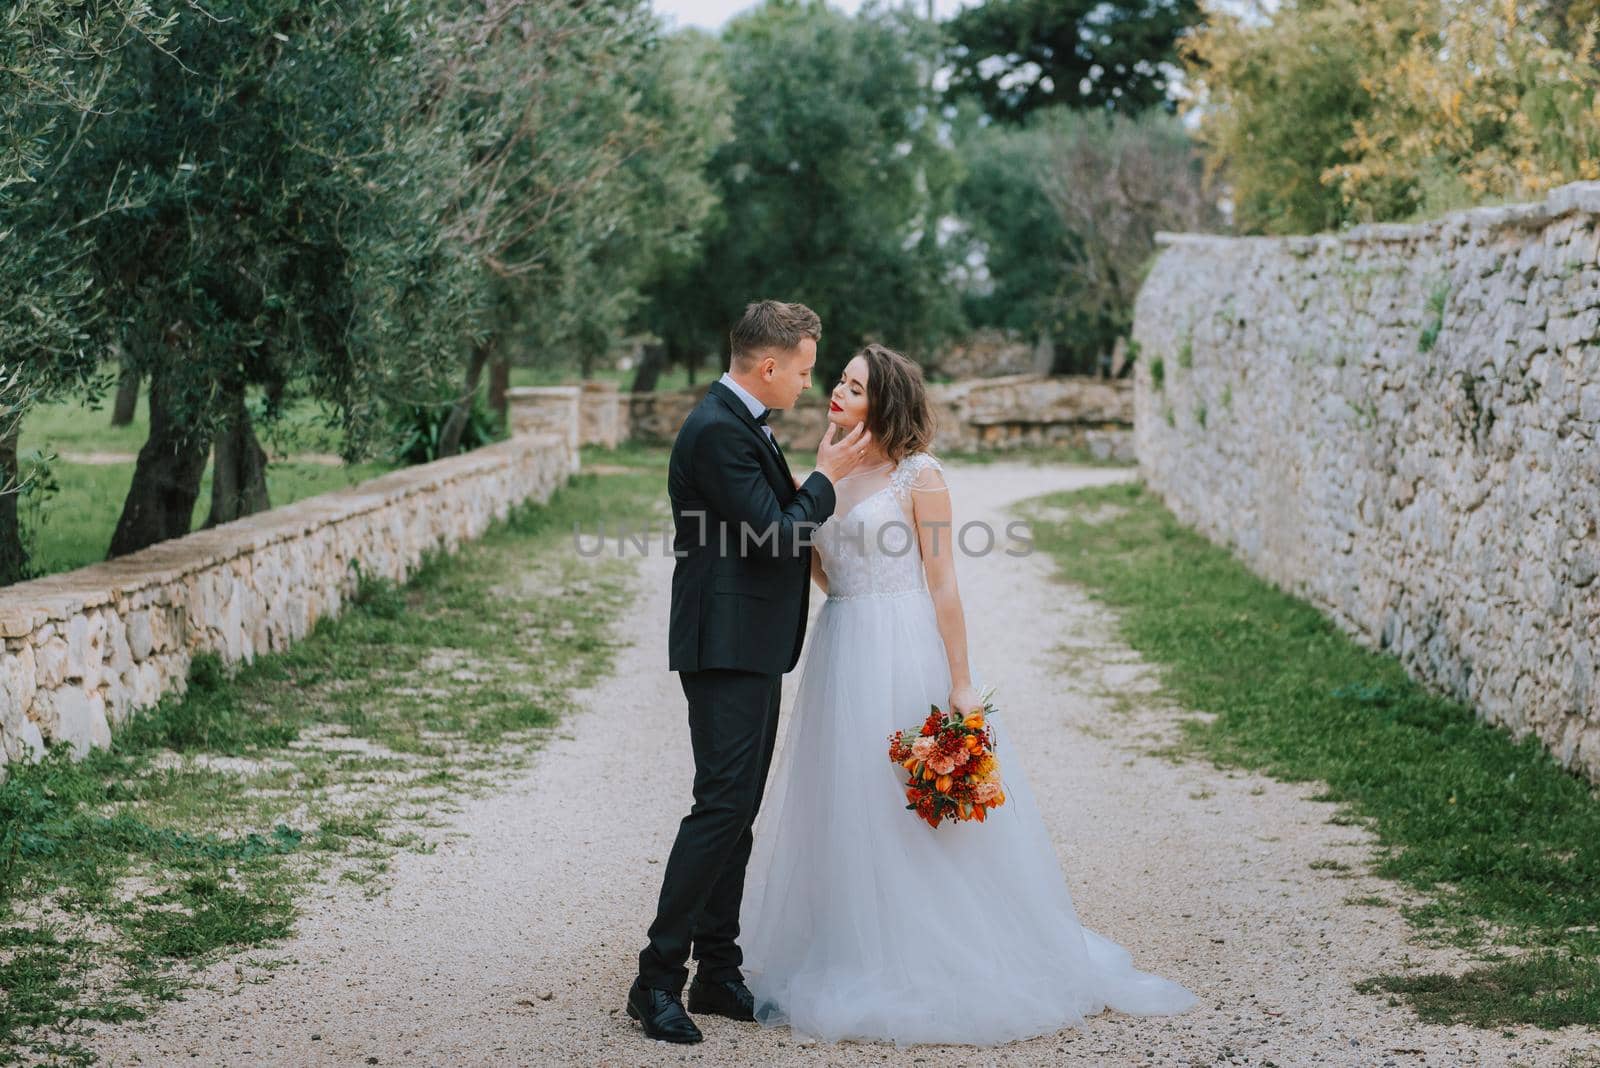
[951, 770]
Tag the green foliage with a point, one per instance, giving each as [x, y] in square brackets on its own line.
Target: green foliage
[275, 244]
[1158, 372]
[417, 429]
[1280, 101]
[1480, 105]
[56, 60]
[330, 201]
[1024, 244]
[1498, 837]
[1437, 300]
[377, 596]
[687, 95]
[586, 134]
[1062, 210]
[1020, 56]
[68, 520]
[1323, 113]
[831, 185]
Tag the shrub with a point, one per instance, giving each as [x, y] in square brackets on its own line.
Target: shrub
[419, 427]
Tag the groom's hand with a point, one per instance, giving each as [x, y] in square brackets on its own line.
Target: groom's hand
[837, 458]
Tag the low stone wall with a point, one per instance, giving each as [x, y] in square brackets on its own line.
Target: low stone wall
[1036, 410]
[87, 649]
[1399, 424]
[591, 413]
[539, 410]
[988, 353]
[654, 418]
[980, 414]
[602, 414]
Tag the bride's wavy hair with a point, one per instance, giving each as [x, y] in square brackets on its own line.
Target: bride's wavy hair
[898, 412]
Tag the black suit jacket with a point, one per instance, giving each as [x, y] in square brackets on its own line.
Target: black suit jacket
[742, 581]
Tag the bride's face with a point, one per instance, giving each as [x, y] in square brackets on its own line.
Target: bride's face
[847, 405]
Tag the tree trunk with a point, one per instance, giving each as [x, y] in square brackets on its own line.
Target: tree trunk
[1044, 354]
[166, 479]
[652, 360]
[456, 423]
[127, 401]
[238, 469]
[499, 382]
[13, 555]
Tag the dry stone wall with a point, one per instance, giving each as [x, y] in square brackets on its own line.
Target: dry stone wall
[1008, 412]
[1399, 424]
[87, 649]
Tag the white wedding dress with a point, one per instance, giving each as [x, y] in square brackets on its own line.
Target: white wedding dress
[859, 920]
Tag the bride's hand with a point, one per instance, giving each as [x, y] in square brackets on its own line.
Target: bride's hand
[965, 700]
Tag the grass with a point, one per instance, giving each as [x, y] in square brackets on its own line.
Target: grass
[1438, 299]
[1035, 455]
[71, 509]
[195, 836]
[1503, 843]
[73, 525]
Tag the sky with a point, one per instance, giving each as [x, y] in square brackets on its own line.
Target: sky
[711, 14]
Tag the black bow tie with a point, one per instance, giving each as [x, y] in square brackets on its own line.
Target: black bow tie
[761, 420]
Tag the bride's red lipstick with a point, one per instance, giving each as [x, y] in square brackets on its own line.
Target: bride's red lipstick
[833, 406]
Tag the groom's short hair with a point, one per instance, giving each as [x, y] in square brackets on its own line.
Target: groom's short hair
[771, 324]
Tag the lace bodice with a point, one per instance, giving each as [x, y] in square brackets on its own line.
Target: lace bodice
[871, 550]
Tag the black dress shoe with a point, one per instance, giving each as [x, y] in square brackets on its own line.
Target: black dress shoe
[725, 997]
[661, 1014]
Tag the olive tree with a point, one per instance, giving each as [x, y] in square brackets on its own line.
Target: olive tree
[289, 237]
[57, 59]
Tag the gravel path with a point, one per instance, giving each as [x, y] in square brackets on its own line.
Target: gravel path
[514, 942]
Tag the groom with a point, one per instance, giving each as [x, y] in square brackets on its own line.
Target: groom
[740, 592]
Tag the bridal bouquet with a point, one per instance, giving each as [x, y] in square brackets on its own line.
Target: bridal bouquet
[953, 771]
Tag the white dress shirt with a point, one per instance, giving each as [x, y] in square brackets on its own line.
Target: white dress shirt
[755, 406]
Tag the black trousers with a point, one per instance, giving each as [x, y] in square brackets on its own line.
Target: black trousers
[733, 726]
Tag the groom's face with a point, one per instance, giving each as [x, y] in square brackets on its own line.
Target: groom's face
[786, 373]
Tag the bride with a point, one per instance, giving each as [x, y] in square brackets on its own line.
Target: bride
[861, 921]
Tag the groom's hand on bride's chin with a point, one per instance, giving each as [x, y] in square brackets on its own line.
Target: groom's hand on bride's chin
[835, 459]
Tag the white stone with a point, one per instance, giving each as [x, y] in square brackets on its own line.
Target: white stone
[141, 638]
[52, 659]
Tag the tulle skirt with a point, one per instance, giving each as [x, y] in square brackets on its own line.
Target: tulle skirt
[860, 921]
